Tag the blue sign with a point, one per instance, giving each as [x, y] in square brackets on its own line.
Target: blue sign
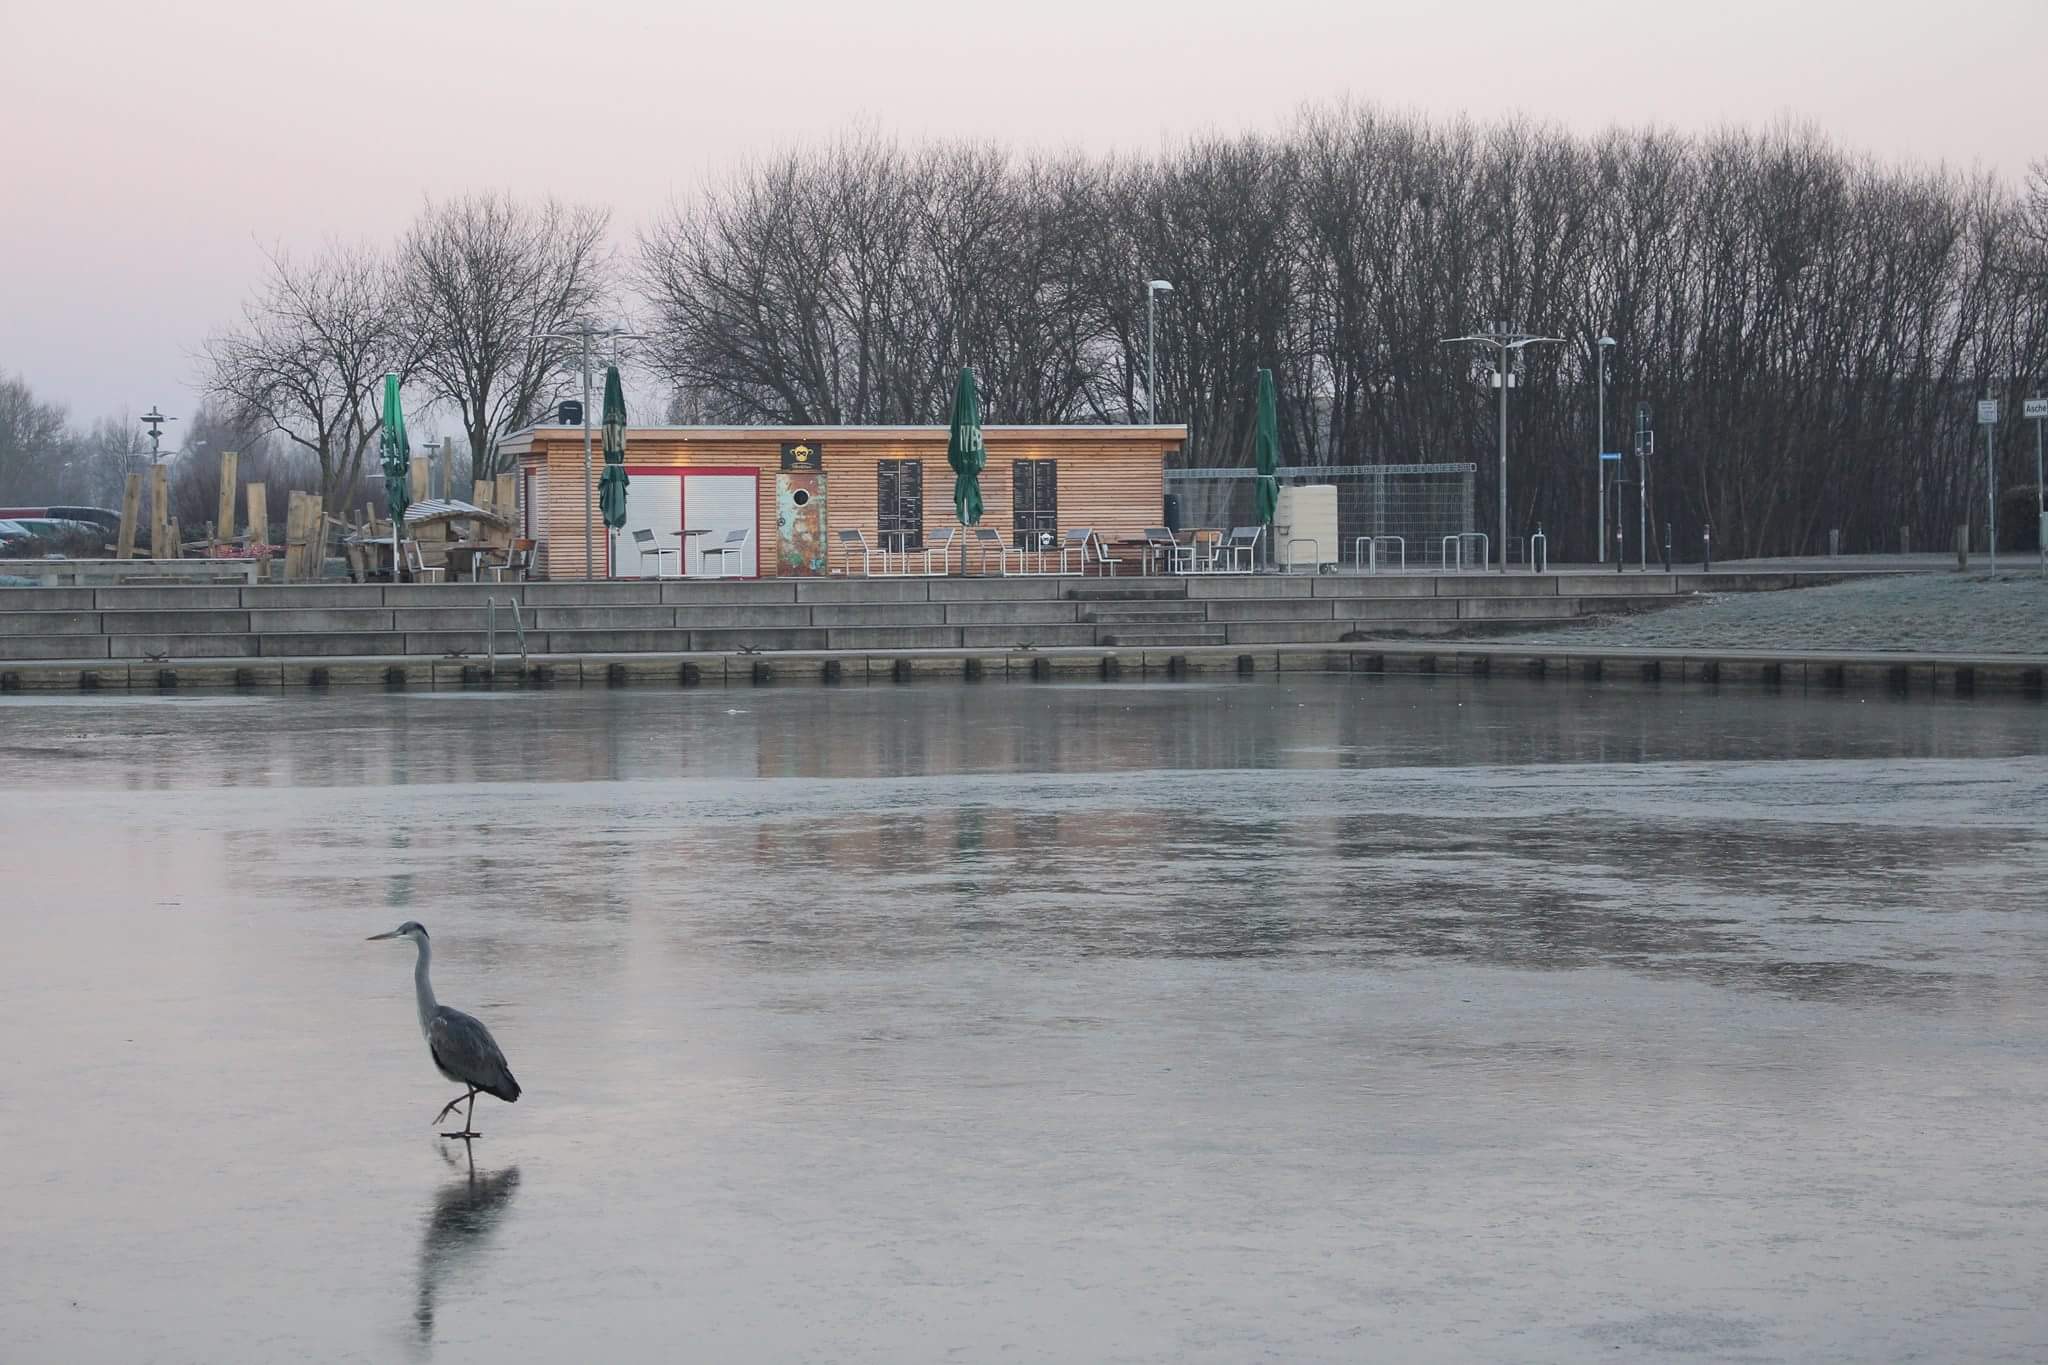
[1610, 455]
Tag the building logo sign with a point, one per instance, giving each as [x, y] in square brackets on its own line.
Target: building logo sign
[801, 455]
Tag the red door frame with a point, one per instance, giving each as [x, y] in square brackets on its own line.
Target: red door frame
[682, 472]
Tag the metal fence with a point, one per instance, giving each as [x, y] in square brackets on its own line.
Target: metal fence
[1421, 503]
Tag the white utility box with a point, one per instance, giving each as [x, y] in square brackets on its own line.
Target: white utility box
[1305, 528]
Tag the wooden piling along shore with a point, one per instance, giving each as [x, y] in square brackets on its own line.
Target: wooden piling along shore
[1852, 674]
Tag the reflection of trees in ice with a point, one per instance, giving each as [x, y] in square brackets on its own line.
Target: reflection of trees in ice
[464, 1214]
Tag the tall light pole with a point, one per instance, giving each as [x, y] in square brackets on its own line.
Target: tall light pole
[1505, 341]
[155, 420]
[2037, 409]
[584, 336]
[1153, 289]
[1600, 351]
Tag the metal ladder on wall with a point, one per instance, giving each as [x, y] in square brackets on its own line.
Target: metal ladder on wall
[491, 635]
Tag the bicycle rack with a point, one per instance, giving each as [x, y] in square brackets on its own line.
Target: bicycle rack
[1539, 553]
[1457, 543]
[1315, 561]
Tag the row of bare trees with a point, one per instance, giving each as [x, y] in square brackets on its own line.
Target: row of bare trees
[1809, 328]
[459, 310]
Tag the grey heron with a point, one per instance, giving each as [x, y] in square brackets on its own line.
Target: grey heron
[462, 1048]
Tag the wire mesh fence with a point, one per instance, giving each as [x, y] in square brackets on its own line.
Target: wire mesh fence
[1420, 503]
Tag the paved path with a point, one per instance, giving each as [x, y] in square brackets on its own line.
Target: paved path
[1940, 613]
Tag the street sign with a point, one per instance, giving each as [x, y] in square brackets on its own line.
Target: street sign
[1987, 412]
[1610, 455]
[2037, 407]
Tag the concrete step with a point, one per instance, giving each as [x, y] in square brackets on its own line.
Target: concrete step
[1130, 638]
[1121, 614]
[1128, 590]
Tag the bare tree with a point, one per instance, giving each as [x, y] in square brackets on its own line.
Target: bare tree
[35, 442]
[480, 278]
[310, 355]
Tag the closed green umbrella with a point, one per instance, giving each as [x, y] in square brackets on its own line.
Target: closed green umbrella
[1266, 450]
[964, 451]
[611, 485]
[396, 454]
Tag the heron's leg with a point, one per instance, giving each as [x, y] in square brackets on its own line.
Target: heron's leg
[469, 1116]
[449, 1107]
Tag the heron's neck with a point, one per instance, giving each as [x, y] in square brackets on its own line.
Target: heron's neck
[423, 987]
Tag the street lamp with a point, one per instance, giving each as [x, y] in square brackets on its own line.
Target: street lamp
[1605, 345]
[1153, 289]
[155, 420]
[1505, 340]
[585, 335]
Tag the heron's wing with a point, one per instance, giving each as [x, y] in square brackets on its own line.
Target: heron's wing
[463, 1047]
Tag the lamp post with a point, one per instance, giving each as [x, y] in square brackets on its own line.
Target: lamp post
[584, 336]
[1600, 351]
[155, 420]
[1153, 289]
[1505, 341]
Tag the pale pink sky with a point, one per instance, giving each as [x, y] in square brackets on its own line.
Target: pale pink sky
[151, 147]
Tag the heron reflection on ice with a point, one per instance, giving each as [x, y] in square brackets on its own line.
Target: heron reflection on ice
[465, 1212]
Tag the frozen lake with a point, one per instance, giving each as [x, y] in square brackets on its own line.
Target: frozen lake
[1321, 1019]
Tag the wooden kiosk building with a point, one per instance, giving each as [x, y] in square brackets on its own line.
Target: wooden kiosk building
[796, 488]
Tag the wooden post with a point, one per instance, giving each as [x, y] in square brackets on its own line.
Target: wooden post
[506, 503]
[416, 481]
[480, 492]
[224, 524]
[131, 508]
[316, 537]
[159, 513]
[174, 540]
[259, 516]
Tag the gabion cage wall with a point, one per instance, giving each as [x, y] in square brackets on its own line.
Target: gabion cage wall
[1422, 503]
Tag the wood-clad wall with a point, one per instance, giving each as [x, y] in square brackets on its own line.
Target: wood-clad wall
[1110, 479]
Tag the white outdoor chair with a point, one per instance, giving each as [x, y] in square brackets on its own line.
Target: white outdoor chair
[732, 550]
[987, 541]
[418, 564]
[1159, 549]
[1076, 542]
[855, 541]
[1105, 562]
[940, 543]
[1241, 551]
[643, 540]
[518, 564]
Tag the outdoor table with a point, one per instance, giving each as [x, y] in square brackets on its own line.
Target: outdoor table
[1128, 548]
[466, 556]
[902, 539]
[687, 539]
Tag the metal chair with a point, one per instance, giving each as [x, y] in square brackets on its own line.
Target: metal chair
[1105, 562]
[735, 543]
[643, 540]
[940, 542]
[988, 541]
[1197, 554]
[1159, 549]
[1241, 549]
[518, 563]
[418, 564]
[855, 539]
[1076, 542]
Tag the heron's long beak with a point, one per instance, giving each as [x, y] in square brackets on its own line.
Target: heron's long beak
[374, 937]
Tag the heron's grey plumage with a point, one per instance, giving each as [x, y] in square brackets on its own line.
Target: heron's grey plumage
[467, 1054]
[462, 1048]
